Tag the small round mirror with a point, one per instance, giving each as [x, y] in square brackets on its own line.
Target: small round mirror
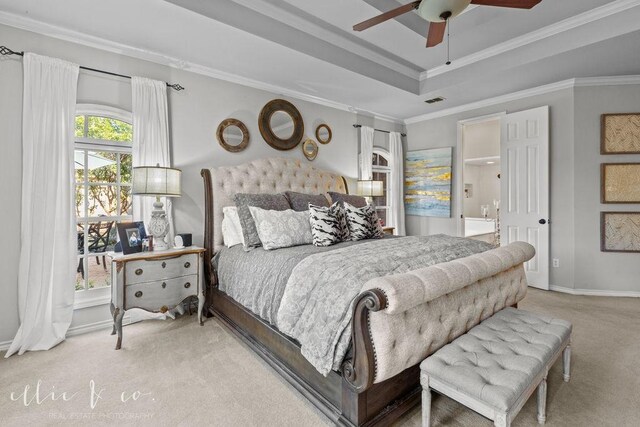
[323, 134]
[233, 135]
[310, 149]
[281, 125]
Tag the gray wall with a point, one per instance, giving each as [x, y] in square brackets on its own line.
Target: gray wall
[574, 182]
[194, 116]
[595, 269]
[442, 132]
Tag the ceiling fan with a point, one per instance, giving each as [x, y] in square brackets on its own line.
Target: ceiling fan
[438, 13]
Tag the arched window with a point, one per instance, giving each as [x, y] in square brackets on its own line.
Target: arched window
[381, 172]
[102, 161]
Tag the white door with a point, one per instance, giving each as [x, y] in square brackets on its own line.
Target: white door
[524, 209]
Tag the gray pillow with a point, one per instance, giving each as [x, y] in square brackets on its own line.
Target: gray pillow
[275, 202]
[357, 201]
[300, 201]
[282, 229]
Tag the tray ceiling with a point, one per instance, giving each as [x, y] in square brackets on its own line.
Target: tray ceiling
[307, 47]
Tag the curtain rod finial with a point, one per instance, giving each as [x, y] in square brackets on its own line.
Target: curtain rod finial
[176, 86]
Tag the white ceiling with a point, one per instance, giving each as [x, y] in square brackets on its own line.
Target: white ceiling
[306, 48]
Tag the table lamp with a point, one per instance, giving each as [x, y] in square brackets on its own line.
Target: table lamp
[159, 182]
[369, 189]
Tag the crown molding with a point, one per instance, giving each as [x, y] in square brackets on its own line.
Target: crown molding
[49, 30]
[584, 18]
[527, 93]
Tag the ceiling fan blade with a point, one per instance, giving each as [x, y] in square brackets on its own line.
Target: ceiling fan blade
[519, 4]
[386, 16]
[436, 33]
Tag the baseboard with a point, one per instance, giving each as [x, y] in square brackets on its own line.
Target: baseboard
[595, 292]
[83, 329]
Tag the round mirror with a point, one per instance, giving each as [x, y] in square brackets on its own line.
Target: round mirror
[310, 149]
[323, 134]
[281, 124]
[233, 135]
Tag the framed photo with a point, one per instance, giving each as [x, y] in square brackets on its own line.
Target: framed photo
[131, 235]
[620, 183]
[620, 133]
[620, 232]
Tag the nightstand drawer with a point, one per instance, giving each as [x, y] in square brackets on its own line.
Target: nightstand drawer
[158, 269]
[153, 296]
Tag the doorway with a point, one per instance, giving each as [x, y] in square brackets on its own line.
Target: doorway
[503, 183]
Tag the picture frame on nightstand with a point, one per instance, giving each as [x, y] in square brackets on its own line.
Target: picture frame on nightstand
[131, 235]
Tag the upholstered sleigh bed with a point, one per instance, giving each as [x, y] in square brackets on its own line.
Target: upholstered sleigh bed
[397, 320]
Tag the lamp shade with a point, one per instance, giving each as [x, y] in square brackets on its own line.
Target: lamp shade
[156, 181]
[370, 188]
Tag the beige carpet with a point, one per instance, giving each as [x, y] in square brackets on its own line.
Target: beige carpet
[189, 375]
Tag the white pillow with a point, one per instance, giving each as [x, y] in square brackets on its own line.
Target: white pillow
[282, 229]
[231, 228]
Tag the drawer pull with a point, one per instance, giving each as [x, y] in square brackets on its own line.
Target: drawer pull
[138, 294]
[164, 264]
[138, 271]
[164, 285]
[187, 264]
[187, 285]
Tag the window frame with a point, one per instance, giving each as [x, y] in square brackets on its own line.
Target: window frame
[385, 170]
[86, 297]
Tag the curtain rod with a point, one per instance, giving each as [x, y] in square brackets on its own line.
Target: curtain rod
[6, 51]
[377, 130]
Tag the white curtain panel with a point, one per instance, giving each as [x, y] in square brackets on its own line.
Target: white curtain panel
[150, 140]
[396, 185]
[366, 152]
[48, 230]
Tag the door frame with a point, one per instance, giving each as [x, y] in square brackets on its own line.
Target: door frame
[459, 166]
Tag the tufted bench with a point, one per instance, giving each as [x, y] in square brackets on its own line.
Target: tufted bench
[496, 366]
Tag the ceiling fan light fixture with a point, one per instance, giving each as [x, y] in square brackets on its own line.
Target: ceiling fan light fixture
[432, 10]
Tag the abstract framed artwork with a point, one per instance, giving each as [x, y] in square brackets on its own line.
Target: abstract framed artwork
[620, 133]
[620, 232]
[427, 182]
[620, 183]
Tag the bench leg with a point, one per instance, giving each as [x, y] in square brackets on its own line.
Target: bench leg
[566, 363]
[502, 420]
[542, 401]
[426, 407]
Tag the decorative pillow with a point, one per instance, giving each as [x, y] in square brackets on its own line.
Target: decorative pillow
[328, 224]
[274, 202]
[356, 201]
[282, 229]
[363, 222]
[301, 201]
[231, 228]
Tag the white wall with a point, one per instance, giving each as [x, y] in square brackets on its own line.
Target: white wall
[194, 116]
[574, 183]
[486, 189]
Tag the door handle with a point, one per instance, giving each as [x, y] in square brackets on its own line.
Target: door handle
[542, 221]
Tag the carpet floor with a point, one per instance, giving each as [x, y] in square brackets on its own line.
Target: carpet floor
[180, 374]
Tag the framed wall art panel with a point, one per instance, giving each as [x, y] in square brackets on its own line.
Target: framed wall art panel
[620, 133]
[620, 183]
[427, 182]
[620, 232]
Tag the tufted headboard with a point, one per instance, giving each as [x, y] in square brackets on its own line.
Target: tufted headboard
[274, 175]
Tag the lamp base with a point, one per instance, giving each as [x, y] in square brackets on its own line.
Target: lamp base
[159, 226]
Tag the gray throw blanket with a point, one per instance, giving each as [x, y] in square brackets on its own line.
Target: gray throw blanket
[316, 308]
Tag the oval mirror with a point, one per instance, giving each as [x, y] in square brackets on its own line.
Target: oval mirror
[323, 134]
[310, 149]
[281, 124]
[233, 135]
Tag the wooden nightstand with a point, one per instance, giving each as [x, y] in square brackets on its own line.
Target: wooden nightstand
[155, 282]
[388, 230]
